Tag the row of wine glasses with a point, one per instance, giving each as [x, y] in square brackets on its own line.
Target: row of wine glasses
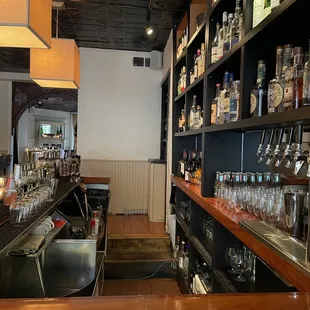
[242, 262]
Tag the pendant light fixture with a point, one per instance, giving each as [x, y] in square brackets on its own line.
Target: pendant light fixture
[59, 66]
[25, 23]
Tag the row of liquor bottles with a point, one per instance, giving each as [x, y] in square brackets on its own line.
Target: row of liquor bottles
[190, 167]
[227, 35]
[288, 90]
[200, 280]
[195, 117]
[183, 40]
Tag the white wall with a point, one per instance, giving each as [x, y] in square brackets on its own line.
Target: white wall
[28, 132]
[5, 116]
[118, 107]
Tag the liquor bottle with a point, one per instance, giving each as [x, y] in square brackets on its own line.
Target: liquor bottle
[182, 121]
[215, 105]
[305, 92]
[234, 102]
[258, 102]
[181, 255]
[223, 33]
[288, 76]
[228, 35]
[227, 98]
[197, 118]
[198, 62]
[183, 84]
[179, 84]
[203, 58]
[188, 168]
[191, 76]
[185, 38]
[195, 66]
[176, 250]
[192, 113]
[193, 165]
[276, 87]
[186, 261]
[298, 77]
[215, 44]
[182, 163]
[199, 169]
[224, 100]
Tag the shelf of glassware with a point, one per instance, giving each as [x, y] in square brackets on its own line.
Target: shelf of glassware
[231, 221]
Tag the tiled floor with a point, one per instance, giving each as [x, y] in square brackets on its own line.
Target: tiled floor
[134, 225]
[141, 287]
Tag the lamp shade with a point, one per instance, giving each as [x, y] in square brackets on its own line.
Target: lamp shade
[25, 23]
[57, 67]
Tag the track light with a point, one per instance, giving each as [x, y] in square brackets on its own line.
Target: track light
[149, 31]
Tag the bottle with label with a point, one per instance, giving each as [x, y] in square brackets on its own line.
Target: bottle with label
[199, 169]
[258, 101]
[306, 101]
[234, 102]
[193, 169]
[182, 163]
[298, 77]
[197, 118]
[183, 83]
[188, 168]
[182, 121]
[215, 44]
[192, 113]
[305, 81]
[223, 33]
[181, 255]
[215, 106]
[224, 100]
[276, 87]
[288, 73]
[227, 98]
[203, 58]
[198, 62]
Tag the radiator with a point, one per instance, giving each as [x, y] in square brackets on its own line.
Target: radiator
[129, 183]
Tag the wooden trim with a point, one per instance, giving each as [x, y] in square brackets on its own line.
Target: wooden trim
[137, 236]
[100, 179]
[230, 220]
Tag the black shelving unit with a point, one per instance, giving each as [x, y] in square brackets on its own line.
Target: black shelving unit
[165, 88]
[232, 146]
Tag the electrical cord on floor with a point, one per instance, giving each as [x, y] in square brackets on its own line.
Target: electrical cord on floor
[153, 274]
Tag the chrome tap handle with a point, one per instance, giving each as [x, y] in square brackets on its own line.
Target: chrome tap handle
[288, 150]
[268, 151]
[261, 143]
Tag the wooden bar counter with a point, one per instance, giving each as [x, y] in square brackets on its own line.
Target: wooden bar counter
[230, 220]
[211, 302]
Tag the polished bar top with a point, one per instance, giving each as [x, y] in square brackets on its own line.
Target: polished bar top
[230, 220]
[185, 302]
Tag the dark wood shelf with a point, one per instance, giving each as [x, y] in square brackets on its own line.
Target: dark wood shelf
[197, 32]
[202, 251]
[182, 56]
[190, 132]
[189, 87]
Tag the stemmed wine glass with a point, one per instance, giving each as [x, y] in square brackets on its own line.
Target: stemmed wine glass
[230, 256]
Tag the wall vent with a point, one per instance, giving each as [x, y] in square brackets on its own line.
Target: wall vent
[147, 62]
[138, 62]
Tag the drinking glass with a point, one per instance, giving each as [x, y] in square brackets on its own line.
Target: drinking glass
[230, 256]
[243, 261]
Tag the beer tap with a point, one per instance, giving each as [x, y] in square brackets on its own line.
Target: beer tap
[268, 151]
[287, 155]
[277, 154]
[299, 157]
[260, 151]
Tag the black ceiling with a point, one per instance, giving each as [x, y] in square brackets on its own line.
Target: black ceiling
[107, 24]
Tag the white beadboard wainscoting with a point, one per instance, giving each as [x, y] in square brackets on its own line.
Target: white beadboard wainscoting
[129, 183]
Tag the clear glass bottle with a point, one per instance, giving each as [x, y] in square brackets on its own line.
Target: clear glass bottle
[228, 35]
[195, 66]
[224, 100]
[276, 87]
[298, 77]
[182, 121]
[183, 82]
[235, 102]
[198, 62]
[227, 98]
[288, 76]
[197, 118]
[192, 113]
[182, 163]
[215, 44]
[305, 93]
[215, 106]
[258, 102]
[223, 33]
[181, 255]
